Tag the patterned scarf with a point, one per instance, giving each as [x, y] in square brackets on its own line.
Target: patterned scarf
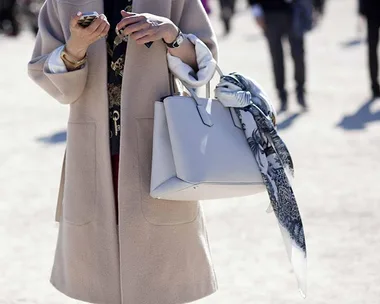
[116, 50]
[257, 117]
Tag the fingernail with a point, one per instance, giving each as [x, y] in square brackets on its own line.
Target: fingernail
[79, 14]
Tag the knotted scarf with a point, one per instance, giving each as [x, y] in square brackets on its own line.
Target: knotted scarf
[257, 118]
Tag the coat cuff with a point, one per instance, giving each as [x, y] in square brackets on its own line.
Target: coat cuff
[70, 84]
[205, 61]
[55, 64]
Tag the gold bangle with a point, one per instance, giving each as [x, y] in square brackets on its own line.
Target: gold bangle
[65, 56]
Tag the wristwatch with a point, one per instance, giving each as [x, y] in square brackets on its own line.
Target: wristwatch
[177, 42]
[66, 57]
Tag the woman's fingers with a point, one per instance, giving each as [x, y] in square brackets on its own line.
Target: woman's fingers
[141, 33]
[74, 20]
[135, 27]
[147, 39]
[102, 32]
[96, 24]
[144, 36]
[127, 14]
[125, 22]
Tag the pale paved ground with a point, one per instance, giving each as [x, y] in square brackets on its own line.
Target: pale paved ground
[336, 149]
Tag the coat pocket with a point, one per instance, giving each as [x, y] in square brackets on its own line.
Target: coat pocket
[158, 212]
[80, 174]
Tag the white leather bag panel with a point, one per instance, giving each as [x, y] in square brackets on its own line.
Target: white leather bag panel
[204, 154]
[192, 161]
[163, 168]
[169, 191]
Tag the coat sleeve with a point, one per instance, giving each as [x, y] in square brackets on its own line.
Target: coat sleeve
[194, 20]
[64, 87]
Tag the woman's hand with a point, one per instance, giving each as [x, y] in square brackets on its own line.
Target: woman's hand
[144, 28]
[81, 38]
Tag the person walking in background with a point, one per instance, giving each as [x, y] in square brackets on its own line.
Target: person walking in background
[291, 19]
[370, 9]
[227, 9]
[8, 21]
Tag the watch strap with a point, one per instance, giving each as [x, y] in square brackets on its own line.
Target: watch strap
[175, 43]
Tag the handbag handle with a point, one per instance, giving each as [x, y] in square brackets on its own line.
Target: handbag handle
[208, 87]
[191, 90]
[202, 110]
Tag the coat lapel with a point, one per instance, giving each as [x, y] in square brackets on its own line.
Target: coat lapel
[160, 8]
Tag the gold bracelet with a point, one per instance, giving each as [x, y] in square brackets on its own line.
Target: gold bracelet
[65, 56]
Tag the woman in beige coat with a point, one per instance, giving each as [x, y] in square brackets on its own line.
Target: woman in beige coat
[117, 245]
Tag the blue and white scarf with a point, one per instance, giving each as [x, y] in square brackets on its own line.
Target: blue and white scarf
[257, 117]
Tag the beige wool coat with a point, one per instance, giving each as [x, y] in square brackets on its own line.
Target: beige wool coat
[159, 253]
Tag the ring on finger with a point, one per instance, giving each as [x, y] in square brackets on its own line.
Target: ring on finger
[120, 32]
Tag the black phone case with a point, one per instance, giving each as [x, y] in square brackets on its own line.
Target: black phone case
[87, 21]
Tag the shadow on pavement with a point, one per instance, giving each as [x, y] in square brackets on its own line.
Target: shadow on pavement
[352, 43]
[288, 121]
[359, 120]
[56, 138]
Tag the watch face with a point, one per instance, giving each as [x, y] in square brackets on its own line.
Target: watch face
[179, 41]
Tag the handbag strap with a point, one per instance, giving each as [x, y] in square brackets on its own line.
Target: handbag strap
[191, 90]
[203, 113]
[172, 86]
[208, 87]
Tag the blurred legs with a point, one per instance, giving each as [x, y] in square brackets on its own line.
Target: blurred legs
[227, 8]
[274, 31]
[298, 55]
[373, 61]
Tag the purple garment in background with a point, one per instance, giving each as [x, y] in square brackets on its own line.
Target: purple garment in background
[206, 6]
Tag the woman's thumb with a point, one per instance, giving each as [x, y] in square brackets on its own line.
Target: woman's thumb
[75, 19]
[126, 14]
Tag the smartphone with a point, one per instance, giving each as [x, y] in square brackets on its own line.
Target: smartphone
[87, 18]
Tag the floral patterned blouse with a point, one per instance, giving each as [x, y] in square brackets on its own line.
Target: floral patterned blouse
[116, 49]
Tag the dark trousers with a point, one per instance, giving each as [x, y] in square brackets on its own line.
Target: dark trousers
[373, 27]
[227, 8]
[279, 26]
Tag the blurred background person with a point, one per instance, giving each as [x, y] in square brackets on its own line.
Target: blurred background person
[8, 21]
[292, 19]
[30, 10]
[227, 9]
[319, 6]
[19, 14]
[370, 9]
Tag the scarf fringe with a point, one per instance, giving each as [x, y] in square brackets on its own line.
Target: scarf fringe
[297, 258]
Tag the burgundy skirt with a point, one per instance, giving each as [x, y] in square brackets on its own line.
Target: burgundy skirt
[115, 177]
